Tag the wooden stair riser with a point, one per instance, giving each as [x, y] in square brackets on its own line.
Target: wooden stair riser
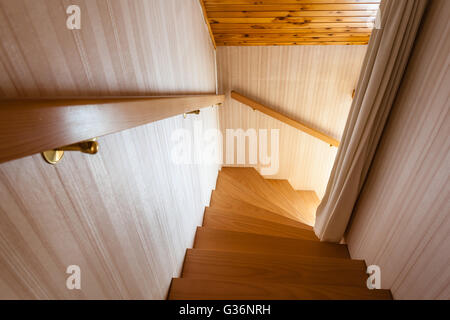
[306, 202]
[255, 182]
[234, 190]
[217, 265]
[199, 289]
[240, 223]
[222, 240]
[221, 201]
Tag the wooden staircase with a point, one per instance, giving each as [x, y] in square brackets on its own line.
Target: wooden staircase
[257, 242]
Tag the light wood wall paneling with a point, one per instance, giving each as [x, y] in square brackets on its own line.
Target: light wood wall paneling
[31, 126]
[127, 214]
[117, 51]
[312, 84]
[402, 220]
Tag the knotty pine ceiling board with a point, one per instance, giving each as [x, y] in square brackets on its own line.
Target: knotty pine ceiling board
[290, 22]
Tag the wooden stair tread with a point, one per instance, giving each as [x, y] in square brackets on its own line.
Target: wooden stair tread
[221, 265]
[306, 202]
[200, 289]
[221, 201]
[215, 239]
[256, 243]
[246, 184]
[255, 182]
[310, 197]
[240, 223]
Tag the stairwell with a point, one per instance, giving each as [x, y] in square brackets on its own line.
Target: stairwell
[257, 242]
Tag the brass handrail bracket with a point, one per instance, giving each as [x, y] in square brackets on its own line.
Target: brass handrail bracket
[55, 155]
[197, 112]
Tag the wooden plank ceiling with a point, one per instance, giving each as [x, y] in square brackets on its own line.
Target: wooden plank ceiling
[290, 22]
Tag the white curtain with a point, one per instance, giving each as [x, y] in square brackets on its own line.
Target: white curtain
[387, 55]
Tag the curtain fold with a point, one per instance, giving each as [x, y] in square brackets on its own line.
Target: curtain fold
[384, 65]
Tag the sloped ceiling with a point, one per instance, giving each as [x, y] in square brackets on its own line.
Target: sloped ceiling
[290, 22]
[312, 84]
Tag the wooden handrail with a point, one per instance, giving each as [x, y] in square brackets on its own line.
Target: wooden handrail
[34, 125]
[293, 123]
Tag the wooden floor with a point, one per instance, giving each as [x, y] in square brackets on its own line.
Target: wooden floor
[255, 244]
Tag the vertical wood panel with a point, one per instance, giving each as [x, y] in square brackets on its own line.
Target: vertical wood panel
[118, 50]
[127, 214]
[402, 221]
[311, 84]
